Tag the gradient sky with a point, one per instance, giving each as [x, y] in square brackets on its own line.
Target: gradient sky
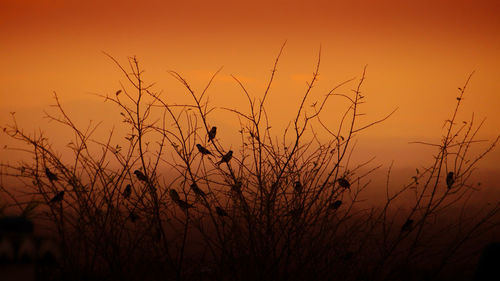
[417, 52]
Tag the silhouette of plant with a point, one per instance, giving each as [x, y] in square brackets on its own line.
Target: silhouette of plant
[173, 201]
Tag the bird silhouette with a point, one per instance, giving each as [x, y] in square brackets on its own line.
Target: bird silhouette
[183, 204]
[212, 133]
[343, 182]
[256, 137]
[297, 187]
[197, 190]
[295, 212]
[226, 157]
[140, 176]
[407, 226]
[127, 191]
[203, 150]
[335, 205]
[220, 212]
[236, 187]
[174, 195]
[58, 197]
[450, 179]
[51, 176]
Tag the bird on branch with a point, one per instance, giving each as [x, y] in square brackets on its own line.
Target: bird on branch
[197, 190]
[450, 179]
[212, 133]
[297, 187]
[127, 191]
[220, 212]
[51, 176]
[203, 150]
[226, 158]
[174, 195]
[407, 226]
[140, 176]
[343, 182]
[183, 204]
[335, 205]
[58, 197]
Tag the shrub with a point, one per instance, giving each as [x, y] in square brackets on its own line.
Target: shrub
[173, 201]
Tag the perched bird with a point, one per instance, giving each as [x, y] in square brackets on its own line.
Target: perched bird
[297, 187]
[50, 175]
[183, 204]
[343, 182]
[140, 176]
[203, 150]
[296, 212]
[197, 190]
[226, 157]
[174, 195]
[335, 205]
[211, 134]
[407, 226]
[450, 179]
[236, 187]
[254, 136]
[220, 212]
[58, 197]
[127, 191]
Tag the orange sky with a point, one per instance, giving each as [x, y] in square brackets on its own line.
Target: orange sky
[417, 52]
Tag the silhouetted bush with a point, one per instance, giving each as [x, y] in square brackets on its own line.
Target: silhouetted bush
[174, 202]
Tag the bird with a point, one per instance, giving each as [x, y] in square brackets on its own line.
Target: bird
[183, 204]
[297, 187]
[226, 157]
[295, 212]
[256, 137]
[450, 179]
[140, 176]
[343, 182]
[335, 205]
[407, 226]
[58, 197]
[203, 150]
[127, 191]
[211, 133]
[197, 190]
[220, 212]
[236, 187]
[50, 175]
[174, 195]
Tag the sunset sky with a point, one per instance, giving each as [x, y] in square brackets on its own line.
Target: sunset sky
[417, 52]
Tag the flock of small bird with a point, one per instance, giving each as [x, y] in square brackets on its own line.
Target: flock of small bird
[174, 195]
